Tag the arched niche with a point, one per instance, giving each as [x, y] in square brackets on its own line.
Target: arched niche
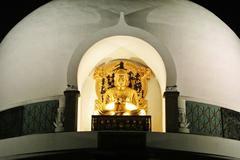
[121, 47]
[122, 29]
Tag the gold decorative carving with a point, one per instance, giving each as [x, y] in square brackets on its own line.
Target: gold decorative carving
[121, 87]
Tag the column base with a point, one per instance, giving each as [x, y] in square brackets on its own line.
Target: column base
[184, 130]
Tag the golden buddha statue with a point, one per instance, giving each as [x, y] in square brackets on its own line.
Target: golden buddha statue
[121, 100]
[121, 87]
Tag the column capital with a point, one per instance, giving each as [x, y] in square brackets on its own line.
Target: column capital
[171, 88]
[71, 88]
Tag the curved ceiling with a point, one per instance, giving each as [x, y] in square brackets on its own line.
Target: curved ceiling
[11, 13]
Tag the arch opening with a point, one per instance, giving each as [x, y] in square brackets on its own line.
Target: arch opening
[121, 47]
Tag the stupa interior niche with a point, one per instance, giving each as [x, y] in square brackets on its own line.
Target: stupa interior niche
[122, 83]
[54, 105]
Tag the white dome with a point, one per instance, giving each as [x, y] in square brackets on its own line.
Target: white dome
[36, 54]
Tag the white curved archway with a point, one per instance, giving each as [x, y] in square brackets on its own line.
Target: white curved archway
[122, 29]
[121, 47]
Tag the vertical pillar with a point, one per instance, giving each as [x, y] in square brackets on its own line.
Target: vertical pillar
[183, 122]
[171, 101]
[60, 115]
[71, 109]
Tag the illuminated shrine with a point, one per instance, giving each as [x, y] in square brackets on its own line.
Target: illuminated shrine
[120, 79]
[121, 87]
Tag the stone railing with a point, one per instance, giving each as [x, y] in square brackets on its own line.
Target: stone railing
[46, 116]
[30, 118]
[211, 120]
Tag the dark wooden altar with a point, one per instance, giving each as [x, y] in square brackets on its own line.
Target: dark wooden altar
[121, 123]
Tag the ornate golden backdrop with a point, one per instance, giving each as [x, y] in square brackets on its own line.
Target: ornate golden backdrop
[109, 91]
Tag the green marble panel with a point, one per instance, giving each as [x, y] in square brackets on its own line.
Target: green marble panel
[231, 123]
[205, 119]
[39, 117]
[11, 122]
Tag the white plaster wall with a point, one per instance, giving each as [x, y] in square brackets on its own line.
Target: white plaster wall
[35, 55]
[86, 104]
[205, 50]
[155, 106]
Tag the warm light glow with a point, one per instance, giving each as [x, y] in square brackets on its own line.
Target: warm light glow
[96, 112]
[124, 82]
[126, 114]
[130, 106]
[142, 112]
[109, 106]
[112, 113]
[121, 47]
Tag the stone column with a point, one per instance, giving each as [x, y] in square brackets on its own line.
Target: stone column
[71, 108]
[171, 101]
[183, 122]
[59, 120]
